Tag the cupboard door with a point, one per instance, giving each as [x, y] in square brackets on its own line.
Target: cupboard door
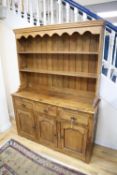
[26, 123]
[46, 130]
[73, 138]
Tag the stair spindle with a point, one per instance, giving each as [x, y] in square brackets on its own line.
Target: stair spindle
[52, 11]
[67, 12]
[60, 11]
[44, 12]
[84, 17]
[75, 14]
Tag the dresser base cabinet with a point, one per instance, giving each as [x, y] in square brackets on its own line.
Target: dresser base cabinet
[70, 133]
[57, 101]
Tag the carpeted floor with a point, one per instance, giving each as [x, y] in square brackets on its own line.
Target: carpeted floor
[16, 159]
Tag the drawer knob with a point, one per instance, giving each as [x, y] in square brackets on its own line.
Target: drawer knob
[45, 110]
[34, 127]
[23, 105]
[55, 135]
[73, 120]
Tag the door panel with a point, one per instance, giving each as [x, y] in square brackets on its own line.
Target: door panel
[73, 138]
[70, 142]
[26, 123]
[46, 130]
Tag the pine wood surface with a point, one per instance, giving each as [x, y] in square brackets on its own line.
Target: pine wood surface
[71, 74]
[103, 162]
[58, 52]
[61, 100]
[70, 28]
[57, 101]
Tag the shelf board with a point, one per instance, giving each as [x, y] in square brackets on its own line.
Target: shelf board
[71, 74]
[60, 52]
[80, 103]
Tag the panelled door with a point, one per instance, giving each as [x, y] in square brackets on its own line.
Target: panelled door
[73, 138]
[26, 123]
[46, 130]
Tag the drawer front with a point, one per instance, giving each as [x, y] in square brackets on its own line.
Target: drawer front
[46, 109]
[23, 103]
[72, 115]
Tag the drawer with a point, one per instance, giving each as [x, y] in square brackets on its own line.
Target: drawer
[45, 108]
[23, 103]
[70, 115]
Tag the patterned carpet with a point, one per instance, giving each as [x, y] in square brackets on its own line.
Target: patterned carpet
[16, 159]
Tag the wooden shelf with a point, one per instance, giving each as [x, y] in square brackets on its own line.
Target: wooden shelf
[71, 74]
[59, 52]
[79, 103]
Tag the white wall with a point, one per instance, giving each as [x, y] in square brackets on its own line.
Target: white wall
[14, 21]
[8, 53]
[9, 62]
[106, 134]
[106, 130]
[4, 116]
[107, 119]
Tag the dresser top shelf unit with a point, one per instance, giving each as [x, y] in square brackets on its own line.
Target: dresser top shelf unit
[63, 58]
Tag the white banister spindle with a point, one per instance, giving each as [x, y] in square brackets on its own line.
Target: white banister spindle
[22, 7]
[111, 35]
[16, 4]
[52, 11]
[75, 14]
[8, 3]
[30, 13]
[34, 11]
[114, 61]
[84, 17]
[38, 14]
[11, 2]
[48, 11]
[28, 10]
[26, 7]
[79, 18]
[4, 3]
[44, 12]
[67, 12]
[59, 11]
[40, 11]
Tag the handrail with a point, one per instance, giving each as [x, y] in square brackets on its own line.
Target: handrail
[90, 13]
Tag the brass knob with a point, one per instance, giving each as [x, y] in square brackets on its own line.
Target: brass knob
[45, 110]
[62, 137]
[73, 119]
[34, 127]
[23, 105]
